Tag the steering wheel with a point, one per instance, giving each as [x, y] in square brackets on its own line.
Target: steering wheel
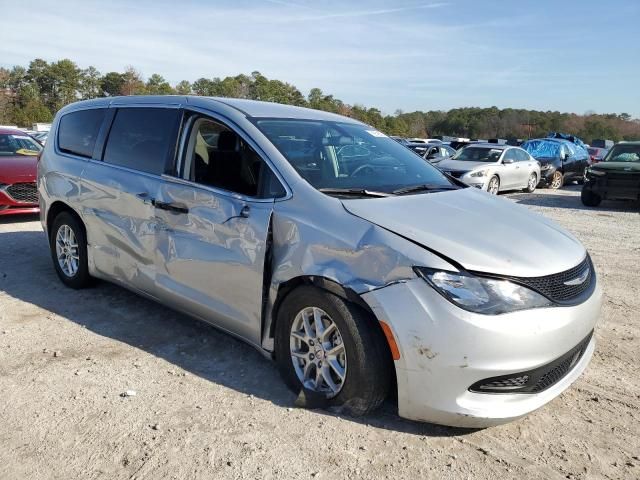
[362, 168]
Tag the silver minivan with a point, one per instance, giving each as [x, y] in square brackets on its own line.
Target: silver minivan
[331, 248]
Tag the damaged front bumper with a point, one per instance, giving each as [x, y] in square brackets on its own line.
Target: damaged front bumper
[445, 351]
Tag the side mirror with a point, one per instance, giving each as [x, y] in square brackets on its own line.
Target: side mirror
[507, 161]
[431, 156]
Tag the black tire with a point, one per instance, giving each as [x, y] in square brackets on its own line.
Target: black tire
[557, 180]
[590, 199]
[81, 278]
[368, 374]
[530, 189]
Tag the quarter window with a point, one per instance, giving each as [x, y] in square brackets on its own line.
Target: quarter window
[78, 131]
[216, 156]
[140, 138]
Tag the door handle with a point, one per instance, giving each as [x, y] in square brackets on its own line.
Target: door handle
[171, 207]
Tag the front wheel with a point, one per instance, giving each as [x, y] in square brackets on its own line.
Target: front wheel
[589, 198]
[494, 185]
[333, 348]
[68, 244]
[557, 180]
[532, 183]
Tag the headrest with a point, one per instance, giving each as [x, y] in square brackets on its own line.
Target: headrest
[227, 140]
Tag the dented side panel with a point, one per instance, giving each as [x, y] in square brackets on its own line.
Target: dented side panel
[336, 246]
[210, 261]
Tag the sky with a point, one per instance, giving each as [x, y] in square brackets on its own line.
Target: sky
[567, 55]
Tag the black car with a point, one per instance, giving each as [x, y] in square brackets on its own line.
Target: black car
[561, 160]
[616, 177]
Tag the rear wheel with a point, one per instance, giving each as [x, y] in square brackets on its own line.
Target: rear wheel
[557, 180]
[68, 244]
[332, 348]
[589, 198]
[494, 185]
[532, 183]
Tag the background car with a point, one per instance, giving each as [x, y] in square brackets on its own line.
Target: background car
[561, 160]
[493, 168]
[432, 152]
[596, 154]
[616, 177]
[18, 163]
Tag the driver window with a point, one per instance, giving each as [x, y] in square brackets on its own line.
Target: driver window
[216, 156]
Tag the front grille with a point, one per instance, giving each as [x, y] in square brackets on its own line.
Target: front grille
[555, 374]
[563, 287]
[537, 380]
[23, 192]
[621, 180]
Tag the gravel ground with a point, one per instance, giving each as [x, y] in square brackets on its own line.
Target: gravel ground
[208, 406]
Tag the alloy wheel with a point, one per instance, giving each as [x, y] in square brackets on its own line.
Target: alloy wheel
[494, 186]
[318, 352]
[533, 180]
[67, 251]
[556, 181]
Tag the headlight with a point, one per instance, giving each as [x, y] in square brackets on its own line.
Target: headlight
[546, 166]
[482, 295]
[479, 173]
[597, 173]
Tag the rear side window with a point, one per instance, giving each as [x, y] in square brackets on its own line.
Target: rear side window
[140, 138]
[78, 131]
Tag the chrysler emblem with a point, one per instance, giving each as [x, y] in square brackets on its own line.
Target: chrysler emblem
[579, 279]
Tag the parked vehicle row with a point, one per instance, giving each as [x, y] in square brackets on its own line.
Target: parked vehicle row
[355, 264]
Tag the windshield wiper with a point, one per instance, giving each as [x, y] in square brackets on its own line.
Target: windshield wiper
[362, 192]
[426, 187]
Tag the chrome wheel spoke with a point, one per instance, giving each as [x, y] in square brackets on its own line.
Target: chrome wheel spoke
[335, 350]
[328, 331]
[337, 368]
[317, 322]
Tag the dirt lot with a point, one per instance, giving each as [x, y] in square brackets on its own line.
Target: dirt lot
[208, 406]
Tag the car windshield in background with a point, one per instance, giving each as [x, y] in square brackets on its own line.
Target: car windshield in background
[341, 158]
[624, 153]
[478, 154]
[12, 145]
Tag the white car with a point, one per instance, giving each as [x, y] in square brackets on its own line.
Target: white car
[494, 168]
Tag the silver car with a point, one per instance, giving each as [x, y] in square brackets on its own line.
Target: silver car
[494, 167]
[352, 262]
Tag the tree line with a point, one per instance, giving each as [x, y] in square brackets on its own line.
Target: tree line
[36, 92]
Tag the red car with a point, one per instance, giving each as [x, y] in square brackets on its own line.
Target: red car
[18, 164]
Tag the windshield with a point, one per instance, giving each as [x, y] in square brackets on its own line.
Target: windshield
[478, 154]
[624, 153]
[335, 155]
[542, 148]
[12, 145]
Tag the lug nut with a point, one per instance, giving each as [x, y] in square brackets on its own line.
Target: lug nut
[311, 356]
[311, 342]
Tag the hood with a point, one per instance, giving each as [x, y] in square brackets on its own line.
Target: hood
[463, 165]
[479, 231]
[546, 160]
[617, 166]
[19, 168]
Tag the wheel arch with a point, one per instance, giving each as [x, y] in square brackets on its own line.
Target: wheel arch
[56, 209]
[331, 286]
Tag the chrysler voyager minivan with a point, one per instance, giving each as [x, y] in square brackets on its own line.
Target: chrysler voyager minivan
[354, 263]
